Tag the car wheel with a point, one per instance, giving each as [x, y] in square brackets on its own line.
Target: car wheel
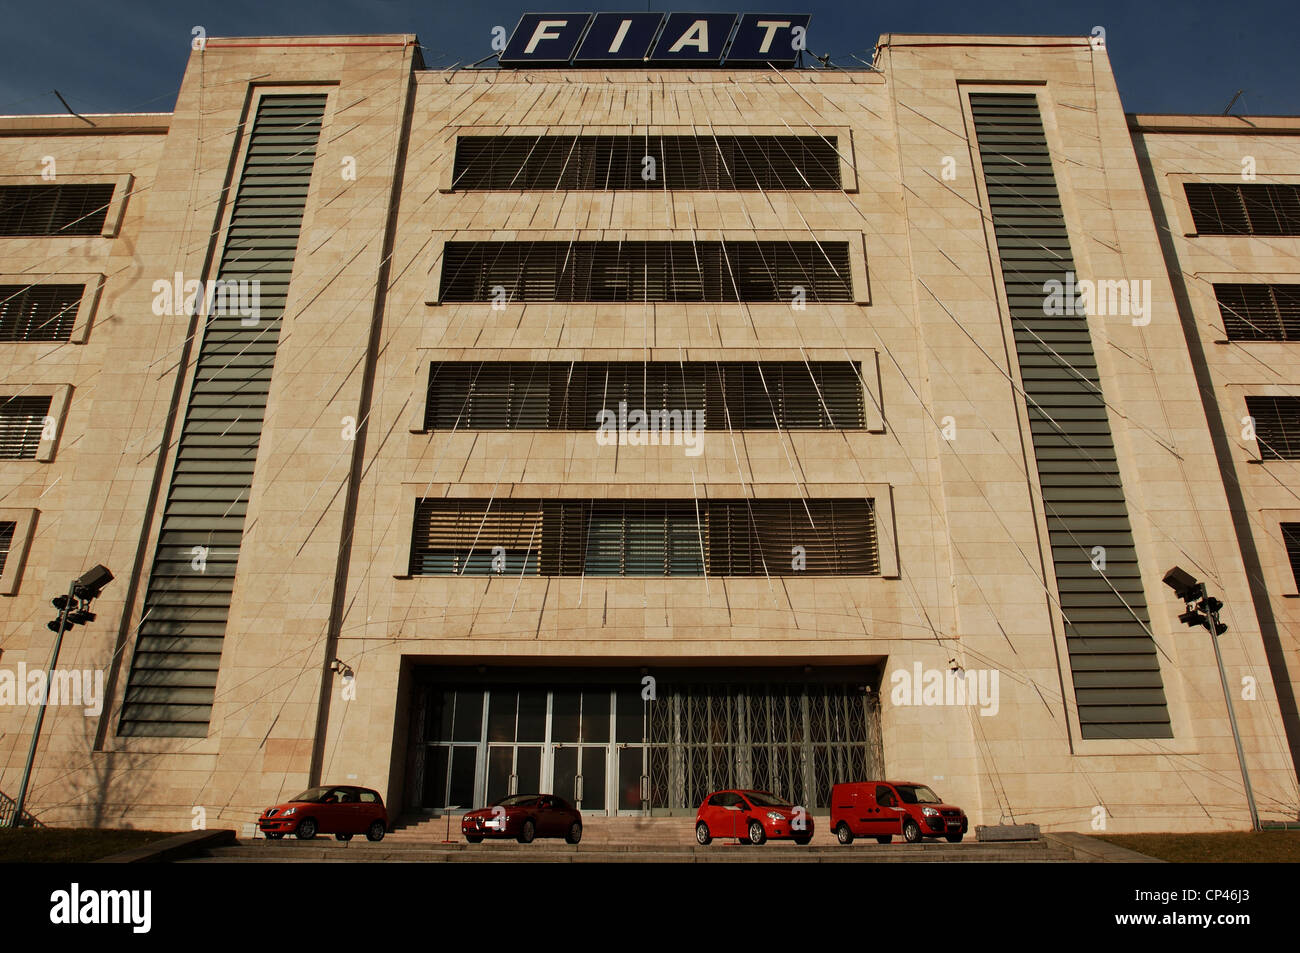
[376, 831]
[911, 831]
[343, 837]
[953, 838]
[885, 839]
[843, 834]
[702, 835]
[275, 836]
[756, 833]
[473, 840]
[306, 829]
[575, 833]
[527, 832]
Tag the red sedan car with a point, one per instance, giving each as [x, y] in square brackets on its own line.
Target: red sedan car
[341, 810]
[751, 817]
[524, 817]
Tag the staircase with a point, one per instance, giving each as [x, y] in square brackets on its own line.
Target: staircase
[621, 840]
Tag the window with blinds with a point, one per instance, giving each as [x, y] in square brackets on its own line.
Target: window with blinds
[686, 163]
[7, 528]
[38, 312]
[1260, 312]
[1277, 426]
[572, 395]
[1291, 537]
[22, 419]
[1244, 209]
[645, 538]
[614, 271]
[36, 210]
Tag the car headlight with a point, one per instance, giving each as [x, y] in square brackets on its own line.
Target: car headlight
[286, 813]
[775, 816]
[929, 812]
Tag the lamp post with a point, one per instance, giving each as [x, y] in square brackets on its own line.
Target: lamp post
[74, 609]
[1202, 609]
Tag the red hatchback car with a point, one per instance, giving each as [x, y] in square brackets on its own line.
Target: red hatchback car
[341, 810]
[751, 817]
[881, 809]
[524, 817]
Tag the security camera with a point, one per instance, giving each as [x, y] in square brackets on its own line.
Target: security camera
[92, 582]
[1183, 583]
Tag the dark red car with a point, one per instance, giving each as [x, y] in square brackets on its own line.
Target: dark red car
[751, 817]
[524, 817]
[881, 809]
[341, 810]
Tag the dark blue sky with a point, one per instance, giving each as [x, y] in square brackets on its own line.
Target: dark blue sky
[128, 55]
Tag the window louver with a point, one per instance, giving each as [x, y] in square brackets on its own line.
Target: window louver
[1244, 209]
[697, 163]
[1259, 312]
[22, 420]
[7, 529]
[37, 210]
[1291, 537]
[1277, 426]
[646, 271]
[38, 312]
[173, 677]
[645, 538]
[521, 395]
[1113, 661]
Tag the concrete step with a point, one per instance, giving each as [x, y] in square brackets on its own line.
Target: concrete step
[395, 850]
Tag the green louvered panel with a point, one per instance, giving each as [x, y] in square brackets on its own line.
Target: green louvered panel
[173, 677]
[1112, 658]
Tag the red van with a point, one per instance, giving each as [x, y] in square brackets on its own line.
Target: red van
[881, 809]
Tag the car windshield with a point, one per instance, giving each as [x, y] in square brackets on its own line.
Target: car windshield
[516, 800]
[917, 794]
[763, 799]
[312, 795]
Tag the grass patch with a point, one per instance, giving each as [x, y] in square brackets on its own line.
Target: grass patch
[1235, 847]
[28, 845]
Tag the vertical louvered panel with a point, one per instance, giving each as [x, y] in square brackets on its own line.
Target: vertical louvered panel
[1112, 656]
[38, 312]
[178, 650]
[22, 420]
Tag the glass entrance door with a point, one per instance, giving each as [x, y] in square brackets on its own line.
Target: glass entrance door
[581, 723]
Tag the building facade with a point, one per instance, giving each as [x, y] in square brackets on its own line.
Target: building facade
[632, 433]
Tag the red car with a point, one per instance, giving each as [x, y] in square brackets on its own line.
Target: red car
[881, 809]
[524, 817]
[751, 817]
[341, 810]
